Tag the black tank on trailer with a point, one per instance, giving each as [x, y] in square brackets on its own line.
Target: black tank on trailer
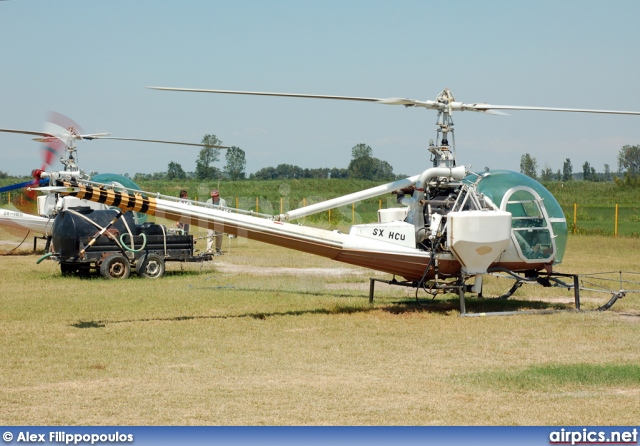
[84, 239]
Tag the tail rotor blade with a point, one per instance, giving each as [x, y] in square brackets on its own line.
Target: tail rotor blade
[16, 186]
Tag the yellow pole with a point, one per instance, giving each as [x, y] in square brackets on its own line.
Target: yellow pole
[575, 216]
[237, 206]
[281, 208]
[257, 208]
[615, 230]
[353, 212]
[380, 203]
[329, 216]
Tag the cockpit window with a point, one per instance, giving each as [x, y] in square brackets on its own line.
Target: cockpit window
[501, 186]
[534, 243]
[530, 229]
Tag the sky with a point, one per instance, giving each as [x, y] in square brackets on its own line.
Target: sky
[92, 61]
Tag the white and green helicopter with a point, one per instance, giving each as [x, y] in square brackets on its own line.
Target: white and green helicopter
[452, 226]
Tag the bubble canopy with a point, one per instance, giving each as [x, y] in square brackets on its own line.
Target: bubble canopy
[534, 209]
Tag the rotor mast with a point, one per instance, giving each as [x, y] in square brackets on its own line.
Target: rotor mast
[443, 150]
[68, 139]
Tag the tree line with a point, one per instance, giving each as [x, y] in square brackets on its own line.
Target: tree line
[628, 168]
[234, 169]
[363, 166]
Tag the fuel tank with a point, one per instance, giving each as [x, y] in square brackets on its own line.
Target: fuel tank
[72, 225]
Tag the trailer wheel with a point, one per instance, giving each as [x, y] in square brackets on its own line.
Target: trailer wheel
[151, 267]
[115, 267]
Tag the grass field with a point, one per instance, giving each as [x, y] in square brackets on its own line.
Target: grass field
[265, 336]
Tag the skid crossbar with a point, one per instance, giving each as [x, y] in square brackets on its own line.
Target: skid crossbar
[461, 287]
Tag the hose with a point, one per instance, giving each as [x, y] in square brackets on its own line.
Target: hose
[16, 247]
[46, 256]
[133, 246]
[124, 245]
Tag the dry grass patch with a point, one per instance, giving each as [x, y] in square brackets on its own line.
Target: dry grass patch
[206, 347]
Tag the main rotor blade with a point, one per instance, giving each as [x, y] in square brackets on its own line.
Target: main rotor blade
[48, 137]
[29, 132]
[156, 141]
[433, 105]
[387, 101]
[487, 108]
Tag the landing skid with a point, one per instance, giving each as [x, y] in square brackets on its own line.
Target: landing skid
[545, 281]
[553, 279]
[459, 287]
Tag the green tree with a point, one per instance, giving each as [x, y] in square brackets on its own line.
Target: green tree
[528, 166]
[266, 173]
[339, 173]
[288, 172]
[586, 171]
[384, 171]
[607, 173]
[281, 172]
[567, 170]
[364, 166]
[207, 156]
[175, 172]
[629, 160]
[547, 173]
[236, 163]
[361, 151]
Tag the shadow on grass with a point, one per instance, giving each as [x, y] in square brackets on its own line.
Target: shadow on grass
[88, 324]
[442, 304]
[400, 307]
[474, 305]
[277, 291]
[257, 315]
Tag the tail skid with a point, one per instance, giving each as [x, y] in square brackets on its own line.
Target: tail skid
[20, 220]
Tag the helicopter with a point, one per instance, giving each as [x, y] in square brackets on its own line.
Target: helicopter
[59, 138]
[452, 228]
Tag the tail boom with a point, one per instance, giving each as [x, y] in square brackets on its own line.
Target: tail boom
[405, 262]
